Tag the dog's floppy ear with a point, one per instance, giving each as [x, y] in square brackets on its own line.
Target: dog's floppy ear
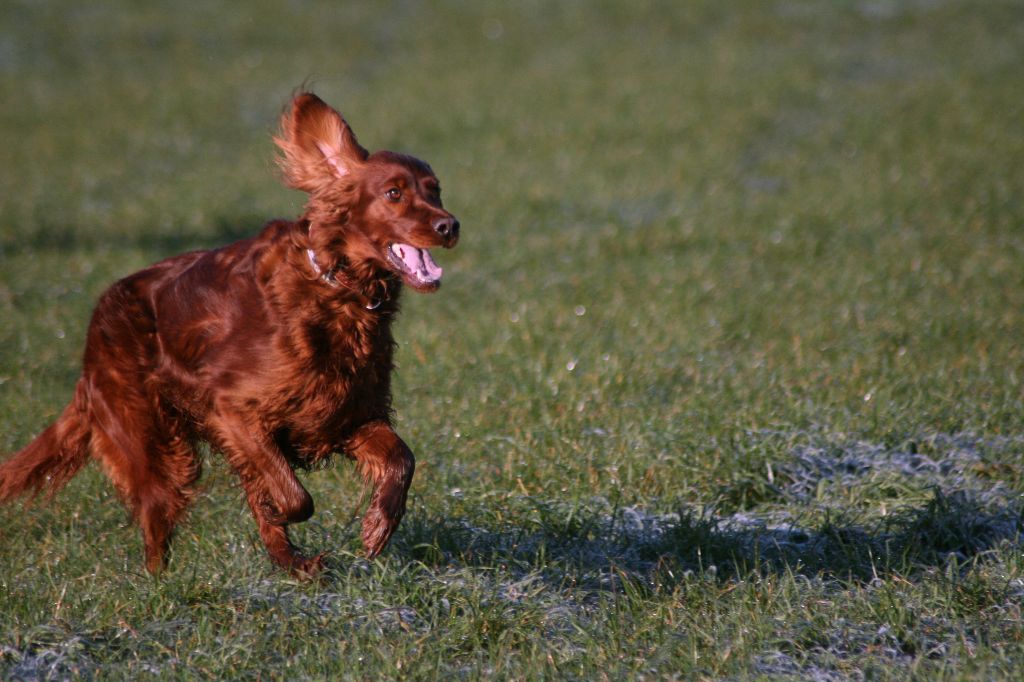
[317, 143]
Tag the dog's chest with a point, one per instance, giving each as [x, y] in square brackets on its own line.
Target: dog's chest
[342, 380]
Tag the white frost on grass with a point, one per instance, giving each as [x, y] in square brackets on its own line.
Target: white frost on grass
[59, 660]
[951, 462]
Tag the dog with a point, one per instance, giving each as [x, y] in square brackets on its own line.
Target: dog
[277, 350]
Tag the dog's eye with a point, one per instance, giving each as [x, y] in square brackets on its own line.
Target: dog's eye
[394, 194]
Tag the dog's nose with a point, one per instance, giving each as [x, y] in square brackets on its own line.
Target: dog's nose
[447, 227]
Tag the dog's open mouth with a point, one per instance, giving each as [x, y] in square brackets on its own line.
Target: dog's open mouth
[416, 266]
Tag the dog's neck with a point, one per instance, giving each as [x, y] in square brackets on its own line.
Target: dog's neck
[338, 278]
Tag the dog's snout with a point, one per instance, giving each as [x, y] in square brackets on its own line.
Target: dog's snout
[447, 227]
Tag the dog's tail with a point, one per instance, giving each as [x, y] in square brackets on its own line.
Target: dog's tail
[57, 454]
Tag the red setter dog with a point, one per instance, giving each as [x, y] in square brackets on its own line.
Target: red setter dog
[277, 350]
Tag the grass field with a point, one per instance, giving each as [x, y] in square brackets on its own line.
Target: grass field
[724, 381]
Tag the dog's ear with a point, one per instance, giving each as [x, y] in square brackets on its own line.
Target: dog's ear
[317, 143]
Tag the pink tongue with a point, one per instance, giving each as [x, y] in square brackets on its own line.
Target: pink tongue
[419, 262]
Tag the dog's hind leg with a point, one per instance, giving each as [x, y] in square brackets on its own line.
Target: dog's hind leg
[140, 444]
[153, 470]
[179, 466]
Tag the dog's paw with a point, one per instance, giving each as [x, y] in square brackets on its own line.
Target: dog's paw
[377, 530]
[308, 568]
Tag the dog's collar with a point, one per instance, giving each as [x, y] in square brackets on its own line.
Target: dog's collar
[331, 279]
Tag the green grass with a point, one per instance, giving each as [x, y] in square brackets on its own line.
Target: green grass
[724, 381]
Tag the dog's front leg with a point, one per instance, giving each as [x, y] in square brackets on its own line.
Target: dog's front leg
[259, 462]
[275, 495]
[388, 464]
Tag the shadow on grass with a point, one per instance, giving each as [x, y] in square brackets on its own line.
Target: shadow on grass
[600, 551]
[159, 241]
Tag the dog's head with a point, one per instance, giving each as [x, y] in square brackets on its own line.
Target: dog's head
[382, 210]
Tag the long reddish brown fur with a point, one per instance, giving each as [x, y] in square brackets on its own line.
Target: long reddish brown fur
[277, 350]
